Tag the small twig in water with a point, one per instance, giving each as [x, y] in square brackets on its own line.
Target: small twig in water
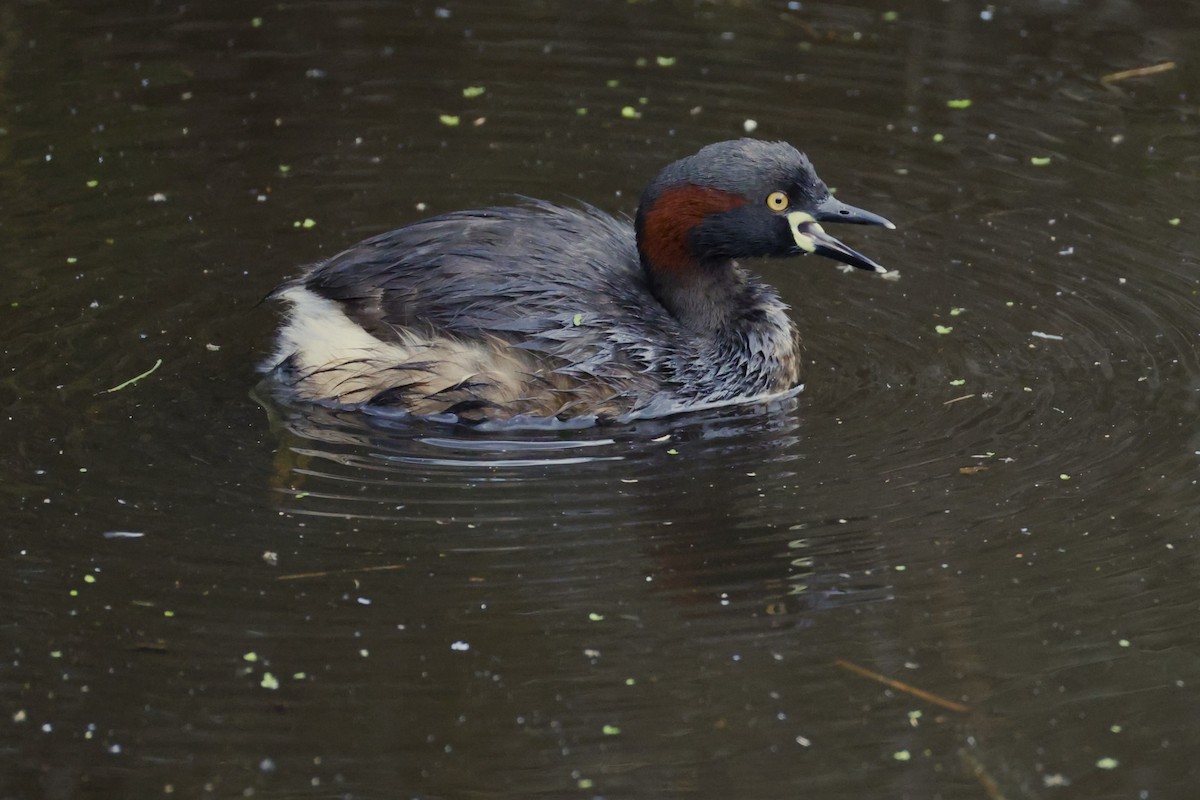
[299, 575]
[955, 400]
[903, 687]
[975, 767]
[132, 380]
[1139, 72]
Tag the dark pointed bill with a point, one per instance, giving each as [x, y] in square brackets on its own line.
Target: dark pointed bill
[811, 238]
[833, 210]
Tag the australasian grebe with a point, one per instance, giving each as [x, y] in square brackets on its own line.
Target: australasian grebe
[558, 312]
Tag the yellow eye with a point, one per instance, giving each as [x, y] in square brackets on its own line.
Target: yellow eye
[777, 201]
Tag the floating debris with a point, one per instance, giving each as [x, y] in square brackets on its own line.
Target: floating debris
[1137, 72]
[959, 104]
[1040, 161]
[133, 380]
[471, 92]
[960, 398]
[326, 573]
[123, 534]
[1054, 337]
[903, 687]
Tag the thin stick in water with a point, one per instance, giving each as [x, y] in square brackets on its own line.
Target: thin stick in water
[132, 380]
[902, 687]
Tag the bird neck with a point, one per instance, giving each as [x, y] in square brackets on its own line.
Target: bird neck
[704, 298]
[700, 290]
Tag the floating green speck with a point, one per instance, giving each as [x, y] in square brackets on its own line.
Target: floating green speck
[1107, 763]
[92, 184]
[594, 617]
[891, 16]
[577, 320]
[1040, 161]
[954, 312]
[629, 112]
[585, 783]
[168, 614]
[1173, 221]
[256, 22]
[449, 120]
[962, 102]
[1123, 642]
[285, 168]
[665, 61]
[269, 681]
[958, 382]
[939, 138]
[611, 730]
[72, 260]
[299, 676]
[942, 330]
[470, 92]
[672, 452]
[581, 111]
[902, 755]
[612, 83]
[251, 657]
[1062, 476]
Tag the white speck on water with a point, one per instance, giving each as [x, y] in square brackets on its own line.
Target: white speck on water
[460, 646]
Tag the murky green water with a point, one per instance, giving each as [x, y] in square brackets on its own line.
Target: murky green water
[988, 490]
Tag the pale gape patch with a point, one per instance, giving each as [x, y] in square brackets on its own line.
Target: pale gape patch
[333, 358]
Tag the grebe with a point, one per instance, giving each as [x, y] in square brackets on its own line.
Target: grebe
[546, 311]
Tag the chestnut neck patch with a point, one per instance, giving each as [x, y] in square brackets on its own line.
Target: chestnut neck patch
[668, 223]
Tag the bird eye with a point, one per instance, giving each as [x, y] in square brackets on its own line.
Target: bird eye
[777, 201]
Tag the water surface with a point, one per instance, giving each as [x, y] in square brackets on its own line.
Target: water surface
[987, 490]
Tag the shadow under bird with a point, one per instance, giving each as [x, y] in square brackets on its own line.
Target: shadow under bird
[546, 311]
